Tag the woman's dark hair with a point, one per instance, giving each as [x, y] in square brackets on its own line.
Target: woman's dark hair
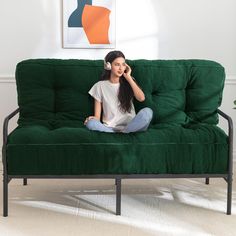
[126, 93]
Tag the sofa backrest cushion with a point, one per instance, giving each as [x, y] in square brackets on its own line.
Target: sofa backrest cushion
[54, 92]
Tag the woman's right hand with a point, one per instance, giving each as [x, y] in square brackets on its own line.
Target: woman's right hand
[89, 118]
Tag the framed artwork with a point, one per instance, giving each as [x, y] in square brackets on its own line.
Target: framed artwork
[89, 23]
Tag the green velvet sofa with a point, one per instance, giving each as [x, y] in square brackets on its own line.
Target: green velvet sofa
[183, 140]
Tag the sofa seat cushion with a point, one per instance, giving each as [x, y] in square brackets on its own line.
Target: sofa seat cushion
[163, 149]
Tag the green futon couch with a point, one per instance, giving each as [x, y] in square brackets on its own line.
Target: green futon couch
[183, 140]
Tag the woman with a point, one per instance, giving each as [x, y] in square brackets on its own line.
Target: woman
[113, 96]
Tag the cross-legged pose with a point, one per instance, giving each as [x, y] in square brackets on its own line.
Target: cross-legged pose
[113, 98]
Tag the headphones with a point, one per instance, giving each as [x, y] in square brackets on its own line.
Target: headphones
[107, 65]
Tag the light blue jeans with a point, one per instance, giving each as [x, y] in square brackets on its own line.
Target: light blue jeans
[139, 123]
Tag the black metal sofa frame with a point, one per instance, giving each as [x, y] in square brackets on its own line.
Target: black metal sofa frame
[118, 178]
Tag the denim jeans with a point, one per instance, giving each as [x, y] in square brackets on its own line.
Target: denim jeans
[139, 123]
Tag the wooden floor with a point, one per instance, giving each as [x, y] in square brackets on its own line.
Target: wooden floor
[87, 207]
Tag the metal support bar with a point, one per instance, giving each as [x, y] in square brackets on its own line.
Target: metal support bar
[6, 178]
[230, 160]
[5, 125]
[24, 181]
[118, 196]
[5, 196]
[121, 176]
[207, 180]
[229, 197]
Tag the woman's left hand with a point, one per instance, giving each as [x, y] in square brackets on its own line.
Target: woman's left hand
[127, 72]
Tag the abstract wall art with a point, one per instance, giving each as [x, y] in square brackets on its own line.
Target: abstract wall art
[89, 23]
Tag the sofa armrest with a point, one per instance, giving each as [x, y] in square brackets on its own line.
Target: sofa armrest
[5, 125]
[230, 123]
[5, 135]
[230, 135]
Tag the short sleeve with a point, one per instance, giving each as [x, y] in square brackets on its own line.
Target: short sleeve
[96, 92]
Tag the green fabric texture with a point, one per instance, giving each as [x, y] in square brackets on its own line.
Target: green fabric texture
[54, 101]
[170, 149]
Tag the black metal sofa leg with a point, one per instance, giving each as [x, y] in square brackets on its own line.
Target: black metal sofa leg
[118, 196]
[229, 195]
[24, 181]
[5, 196]
[207, 180]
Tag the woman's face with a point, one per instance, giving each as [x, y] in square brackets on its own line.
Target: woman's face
[118, 66]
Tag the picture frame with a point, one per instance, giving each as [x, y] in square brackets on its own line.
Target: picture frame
[89, 23]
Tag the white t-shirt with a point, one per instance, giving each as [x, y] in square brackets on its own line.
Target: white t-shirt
[107, 93]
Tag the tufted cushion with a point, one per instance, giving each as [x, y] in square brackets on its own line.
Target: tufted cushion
[181, 91]
[54, 92]
[35, 150]
[54, 101]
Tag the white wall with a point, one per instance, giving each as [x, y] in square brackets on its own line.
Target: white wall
[151, 29]
[145, 29]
